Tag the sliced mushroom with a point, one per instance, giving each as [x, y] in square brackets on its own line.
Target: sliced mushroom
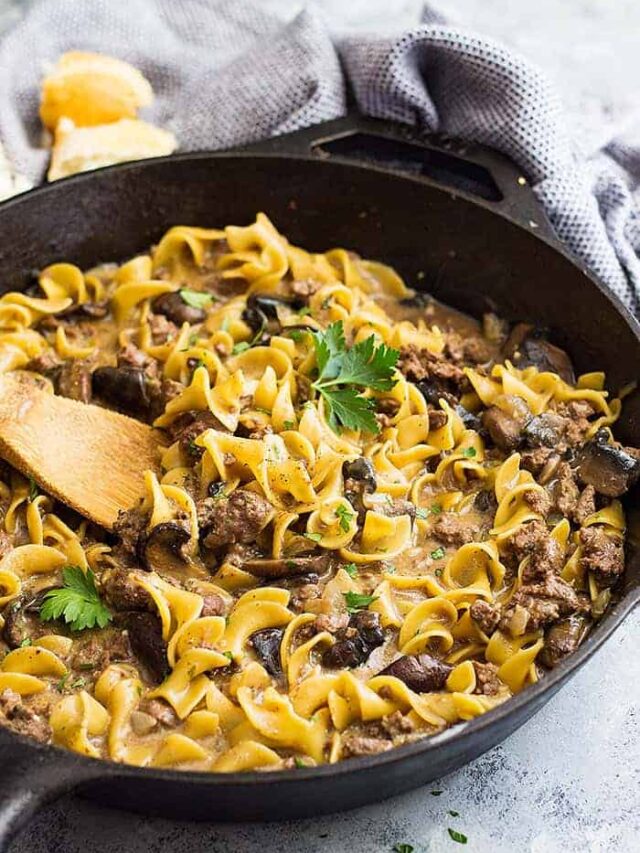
[434, 390]
[527, 346]
[262, 312]
[362, 470]
[174, 308]
[145, 638]
[609, 469]
[284, 566]
[21, 619]
[422, 673]
[266, 644]
[563, 639]
[162, 549]
[124, 388]
[469, 420]
[86, 311]
[355, 643]
[546, 430]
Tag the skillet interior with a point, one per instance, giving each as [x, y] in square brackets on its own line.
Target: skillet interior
[465, 255]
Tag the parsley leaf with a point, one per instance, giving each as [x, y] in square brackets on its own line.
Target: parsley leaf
[369, 366]
[343, 373]
[348, 409]
[329, 346]
[77, 601]
[356, 601]
[469, 452]
[289, 424]
[436, 509]
[299, 762]
[457, 836]
[345, 517]
[195, 299]
[351, 569]
[422, 513]
[438, 554]
[241, 347]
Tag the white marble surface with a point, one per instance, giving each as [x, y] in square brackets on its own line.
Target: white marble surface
[570, 779]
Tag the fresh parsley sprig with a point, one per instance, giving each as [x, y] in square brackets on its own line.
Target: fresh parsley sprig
[77, 601]
[344, 372]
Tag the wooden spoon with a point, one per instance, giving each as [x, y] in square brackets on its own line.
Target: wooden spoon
[90, 458]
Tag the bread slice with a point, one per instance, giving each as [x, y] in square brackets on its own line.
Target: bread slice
[80, 149]
[91, 89]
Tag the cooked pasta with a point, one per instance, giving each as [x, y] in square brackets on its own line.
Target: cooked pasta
[376, 518]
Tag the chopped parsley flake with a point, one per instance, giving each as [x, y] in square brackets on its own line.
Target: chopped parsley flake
[436, 509]
[469, 452]
[314, 537]
[299, 762]
[351, 569]
[357, 601]
[422, 513]
[304, 311]
[25, 642]
[240, 347]
[457, 836]
[228, 655]
[63, 682]
[438, 554]
[78, 683]
[288, 424]
[195, 299]
[345, 517]
[438, 572]
[33, 490]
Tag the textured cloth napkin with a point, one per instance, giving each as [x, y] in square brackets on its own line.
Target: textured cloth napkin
[227, 72]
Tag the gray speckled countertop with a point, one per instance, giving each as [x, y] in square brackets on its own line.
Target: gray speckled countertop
[569, 780]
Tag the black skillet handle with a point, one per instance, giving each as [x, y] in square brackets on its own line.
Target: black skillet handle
[468, 170]
[31, 776]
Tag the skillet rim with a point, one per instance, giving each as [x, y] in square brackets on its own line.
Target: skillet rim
[459, 733]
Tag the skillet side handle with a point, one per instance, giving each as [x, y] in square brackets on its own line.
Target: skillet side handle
[32, 776]
[468, 169]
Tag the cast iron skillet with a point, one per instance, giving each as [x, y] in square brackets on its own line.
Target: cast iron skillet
[460, 222]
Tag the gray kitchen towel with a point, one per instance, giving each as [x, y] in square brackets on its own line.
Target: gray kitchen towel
[228, 72]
